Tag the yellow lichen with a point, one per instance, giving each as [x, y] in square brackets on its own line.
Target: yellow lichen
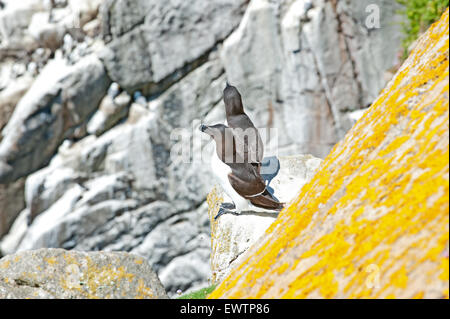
[5, 264]
[374, 219]
[138, 261]
[51, 260]
[96, 279]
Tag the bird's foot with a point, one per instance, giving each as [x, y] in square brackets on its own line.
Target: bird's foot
[228, 205]
[223, 211]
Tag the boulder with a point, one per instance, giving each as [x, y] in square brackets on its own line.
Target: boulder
[232, 235]
[12, 202]
[62, 274]
[373, 222]
[59, 101]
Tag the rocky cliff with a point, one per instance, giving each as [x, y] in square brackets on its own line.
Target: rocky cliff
[90, 92]
[374, 221]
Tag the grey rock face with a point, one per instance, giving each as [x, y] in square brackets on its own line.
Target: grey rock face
[315, 63]
[12, 202]
[10, 96]
[155, 43]
[61, 274]
[110, 111]
[12, 199]
[59, 101]
[124, 191]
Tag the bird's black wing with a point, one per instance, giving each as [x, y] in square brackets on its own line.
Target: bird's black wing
[245, 180]
[249, 143]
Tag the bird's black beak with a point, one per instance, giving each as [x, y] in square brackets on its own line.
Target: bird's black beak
[202, 128]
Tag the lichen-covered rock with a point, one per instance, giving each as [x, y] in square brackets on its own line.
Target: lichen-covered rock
[61, 274]
[232, 235]
[374, 221]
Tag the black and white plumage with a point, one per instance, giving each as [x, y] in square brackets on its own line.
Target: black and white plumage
[239, 179]
[249, 144]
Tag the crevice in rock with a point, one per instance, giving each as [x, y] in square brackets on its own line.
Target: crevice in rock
[26, 282]
[236, 257]
[328, 96]
[154, 89]
[348, 52]
[106, 25]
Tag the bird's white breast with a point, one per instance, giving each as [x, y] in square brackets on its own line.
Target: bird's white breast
[221, 171]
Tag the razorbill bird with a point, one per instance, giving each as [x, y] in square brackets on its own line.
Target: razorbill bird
[240, 180]
[252, 151]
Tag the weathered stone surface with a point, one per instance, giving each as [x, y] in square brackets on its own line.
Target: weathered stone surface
[10, 96]
[62, 274]
[12, 201]
[373, 222]
[155, 43]
[61, 98]
[18, 229]
[232, 235]
[110, 111]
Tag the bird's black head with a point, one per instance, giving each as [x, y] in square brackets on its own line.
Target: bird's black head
[224, 139]
[213, 130]
[233, 100]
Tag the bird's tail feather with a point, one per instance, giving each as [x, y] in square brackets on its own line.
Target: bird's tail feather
[267, 201]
